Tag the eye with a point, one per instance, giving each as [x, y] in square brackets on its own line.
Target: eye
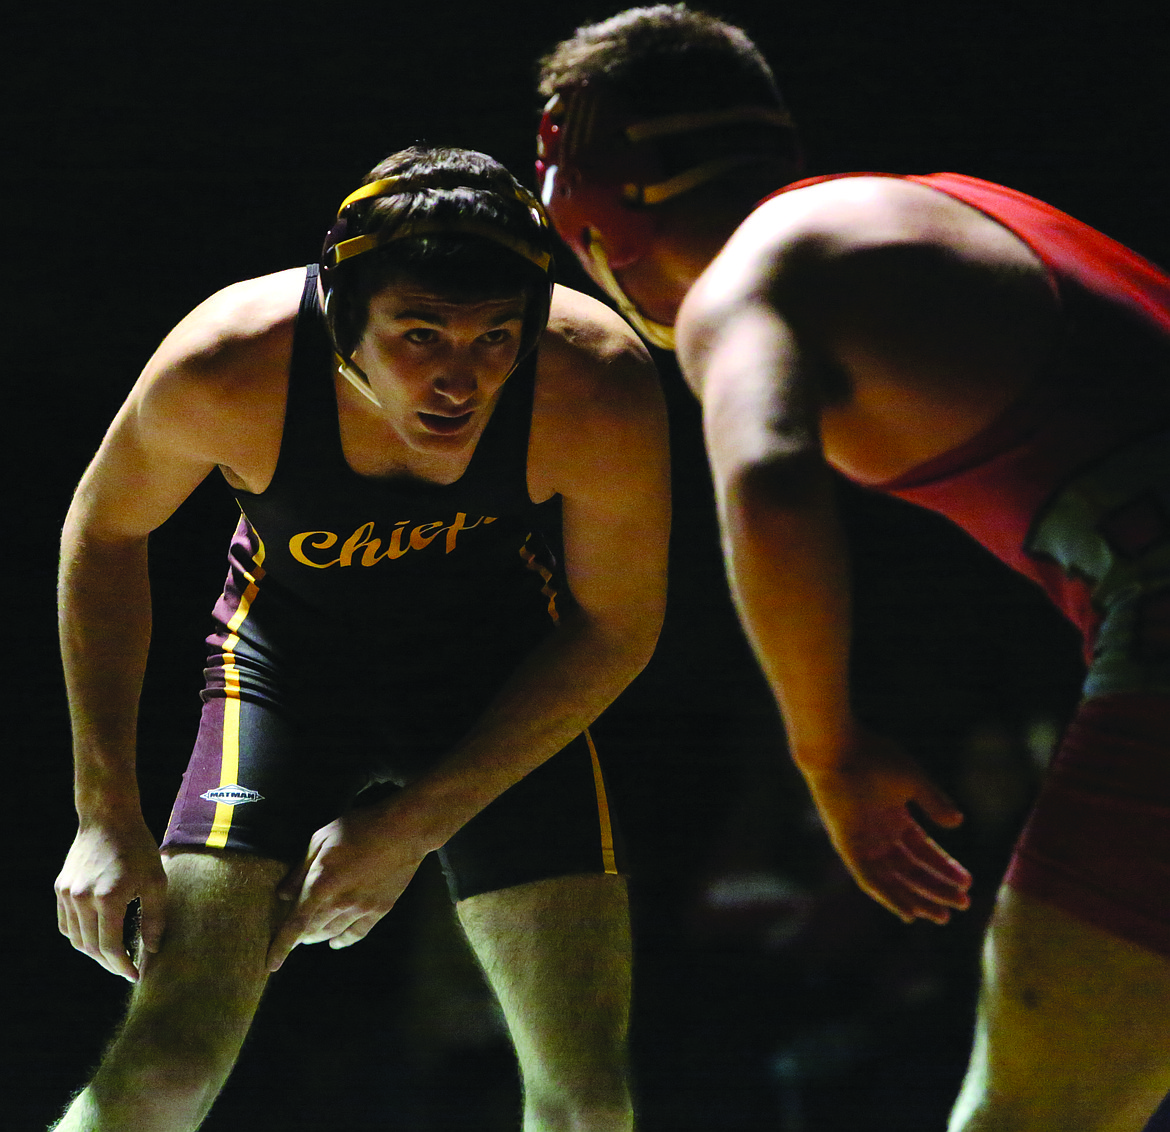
[420, 335]
[496, 337]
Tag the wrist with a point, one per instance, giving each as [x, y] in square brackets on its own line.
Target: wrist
[103, 799]
[414, 820]
[827, 750]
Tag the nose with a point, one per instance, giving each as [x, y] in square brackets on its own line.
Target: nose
[457, 383]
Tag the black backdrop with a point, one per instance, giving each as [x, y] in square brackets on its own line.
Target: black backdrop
[156, 153]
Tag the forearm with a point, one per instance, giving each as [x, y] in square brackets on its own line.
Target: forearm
[559, 690]
[104, 626]
[788, 567]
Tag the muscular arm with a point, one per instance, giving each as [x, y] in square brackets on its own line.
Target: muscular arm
[163, 442]
[599, 440]
[788, 569]
[875, 326]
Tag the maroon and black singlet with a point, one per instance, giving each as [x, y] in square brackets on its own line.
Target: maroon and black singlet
[1071, 487]
[364, 626]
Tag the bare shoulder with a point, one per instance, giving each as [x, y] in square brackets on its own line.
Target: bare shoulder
[587, 343]
[596, 387]
[229, 347]
[856, 213]
[214, 390]
[832, 221]
[870, 242]
[212, 395]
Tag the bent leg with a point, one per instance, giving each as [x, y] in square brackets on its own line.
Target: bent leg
[1073, 1030]
[193, 1003]
[557, 954]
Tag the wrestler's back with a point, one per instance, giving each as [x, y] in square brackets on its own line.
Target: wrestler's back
[900, 399]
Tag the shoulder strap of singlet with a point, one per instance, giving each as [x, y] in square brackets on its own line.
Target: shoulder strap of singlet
[501, 456]
[1067, 246]
[310, 415]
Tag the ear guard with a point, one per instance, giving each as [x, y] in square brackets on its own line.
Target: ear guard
[347, 239]
[600, 175]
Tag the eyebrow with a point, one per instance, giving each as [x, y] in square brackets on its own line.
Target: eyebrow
[509, 314]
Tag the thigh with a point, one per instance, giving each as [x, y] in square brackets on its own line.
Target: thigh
[266, 773]
[202, 986]
[557, 953]
[1073, 1029]
[557, 821]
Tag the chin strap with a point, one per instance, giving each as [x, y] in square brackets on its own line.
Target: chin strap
[656, 333]
[356, 378]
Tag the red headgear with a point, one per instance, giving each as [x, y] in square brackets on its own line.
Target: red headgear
[600, 175]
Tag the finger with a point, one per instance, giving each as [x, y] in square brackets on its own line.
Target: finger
[287, 937]
[73, 928]
[85, 930]
[927, 885]
[879, 893]
[294, 881]
[929, 853]
[62, 913]
[290, 933]
[65, 920]
[902, 886]
[937, 805]
[359, 929]
[278, 950]
[111, 927]
[898, 895]
[326, 929]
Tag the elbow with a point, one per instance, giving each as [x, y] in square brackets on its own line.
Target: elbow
[643, 644]
[626, 645]
[788, 478]
[634, 642]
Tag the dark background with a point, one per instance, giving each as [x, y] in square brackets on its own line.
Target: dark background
[157, 153]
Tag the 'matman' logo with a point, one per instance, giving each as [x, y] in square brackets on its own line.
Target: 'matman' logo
[233, 795]
[403, 539]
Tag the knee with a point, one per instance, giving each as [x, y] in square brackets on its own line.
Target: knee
[977, 1110]
[985, 1120]
[161, 1059]
[594, 1100]
[561, 1114]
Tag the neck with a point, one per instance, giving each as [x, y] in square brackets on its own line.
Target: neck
[695, 226]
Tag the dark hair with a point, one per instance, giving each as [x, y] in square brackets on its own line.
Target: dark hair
[437, 186]
[664, 59]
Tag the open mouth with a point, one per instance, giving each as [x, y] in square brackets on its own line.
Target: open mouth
[445, 426]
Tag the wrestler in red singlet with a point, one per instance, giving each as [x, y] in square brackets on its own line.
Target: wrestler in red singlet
[962, 346]
[1069, 487]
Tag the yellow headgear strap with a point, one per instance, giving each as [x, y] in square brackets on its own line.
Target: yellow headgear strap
[358, 245]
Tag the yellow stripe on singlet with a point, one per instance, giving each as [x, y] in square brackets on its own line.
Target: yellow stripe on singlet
[605, 824]
[549, 591]
[229, 766]
[608, 860]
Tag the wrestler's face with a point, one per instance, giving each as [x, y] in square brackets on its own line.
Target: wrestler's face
[437, 365]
